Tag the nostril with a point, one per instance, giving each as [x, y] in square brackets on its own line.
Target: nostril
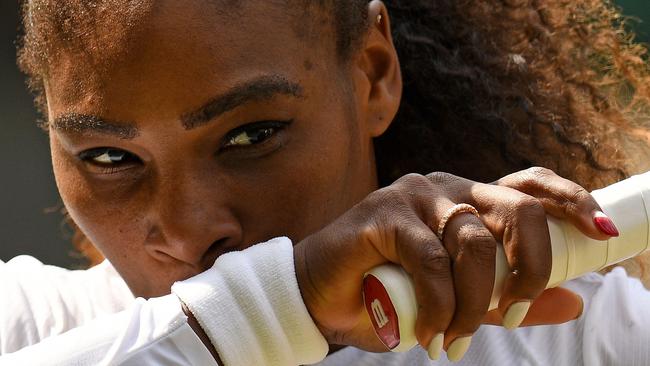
[215, 250]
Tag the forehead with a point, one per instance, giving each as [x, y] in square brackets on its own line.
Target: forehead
[55, 25]
[173, 44]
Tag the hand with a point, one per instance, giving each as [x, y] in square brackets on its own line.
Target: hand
[562, 199]
[454, 277]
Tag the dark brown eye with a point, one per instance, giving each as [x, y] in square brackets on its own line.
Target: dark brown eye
[251, 137]
[253, 134]
[107, 156]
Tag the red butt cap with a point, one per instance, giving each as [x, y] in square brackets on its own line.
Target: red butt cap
[382, 312]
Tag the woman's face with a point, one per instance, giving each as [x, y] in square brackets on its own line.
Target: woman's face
[206, 132]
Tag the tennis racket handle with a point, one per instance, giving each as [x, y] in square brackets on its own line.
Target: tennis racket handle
[389, 294]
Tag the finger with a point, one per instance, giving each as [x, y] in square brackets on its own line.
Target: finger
[473, 249]
[426, 260]
[563, 199]
[529, 259]
[520, 221]
[554, 306]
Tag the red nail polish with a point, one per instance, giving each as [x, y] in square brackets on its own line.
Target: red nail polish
[383, 315]
[605, 224]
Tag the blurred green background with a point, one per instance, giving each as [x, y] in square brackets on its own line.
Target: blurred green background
[641, 10]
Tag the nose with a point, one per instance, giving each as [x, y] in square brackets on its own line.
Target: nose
[190, 221]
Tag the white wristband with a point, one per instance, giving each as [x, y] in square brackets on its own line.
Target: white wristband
[250, 306]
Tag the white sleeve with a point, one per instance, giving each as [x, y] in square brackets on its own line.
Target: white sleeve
[39, 301]
[617, 321]
[153, 332]
[248, 303]
[251, 308]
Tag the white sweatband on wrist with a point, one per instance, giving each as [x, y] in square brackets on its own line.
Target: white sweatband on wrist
[250, 306]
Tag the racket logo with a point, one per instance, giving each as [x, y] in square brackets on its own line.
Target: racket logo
[378, 312]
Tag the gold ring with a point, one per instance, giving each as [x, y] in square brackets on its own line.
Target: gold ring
[455, 210]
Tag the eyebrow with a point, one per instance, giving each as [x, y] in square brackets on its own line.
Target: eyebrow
[83, 123]
[258, 89]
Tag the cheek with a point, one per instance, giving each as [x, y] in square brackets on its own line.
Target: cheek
[104, 217]
[291, 202]
[306, 186]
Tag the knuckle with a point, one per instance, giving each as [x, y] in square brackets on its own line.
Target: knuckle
[476, 242]
[528, 207]
[577, 198]
[580, 194]
[441, 178]
[412, 177]
[412, 181]
[420, 235]
[369, 234]
[534, 178]
[436, 263]
[539, 172]
[386, 197]
[581, 198]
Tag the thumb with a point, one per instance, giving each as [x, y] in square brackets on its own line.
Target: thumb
[554, 306]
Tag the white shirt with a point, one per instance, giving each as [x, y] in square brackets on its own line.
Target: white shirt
[39, 305]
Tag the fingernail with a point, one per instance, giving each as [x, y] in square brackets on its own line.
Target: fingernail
[516, 314]
[605, 224]
[435, 347]
[457, 348]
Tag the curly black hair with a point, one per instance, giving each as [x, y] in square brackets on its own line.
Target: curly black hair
[490, 87]
[493, 87]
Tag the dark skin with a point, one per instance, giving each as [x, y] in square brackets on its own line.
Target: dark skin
[186, 147]
[192, 194]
